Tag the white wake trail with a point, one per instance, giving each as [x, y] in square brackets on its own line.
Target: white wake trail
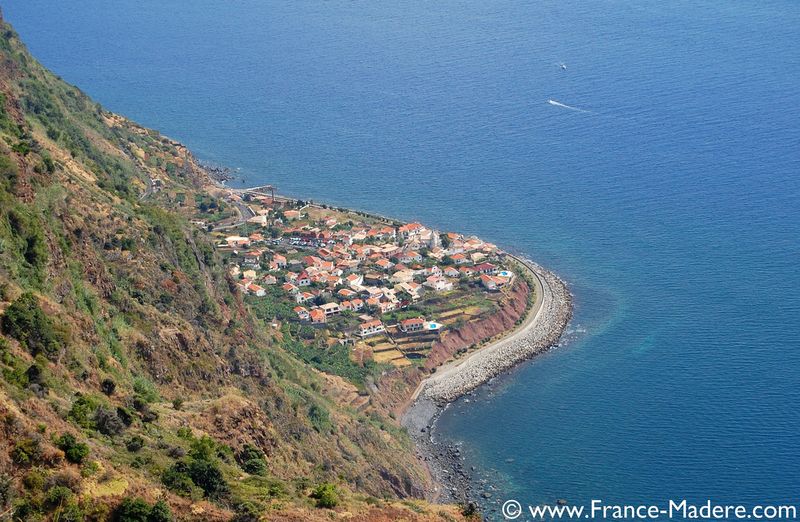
[565, 106]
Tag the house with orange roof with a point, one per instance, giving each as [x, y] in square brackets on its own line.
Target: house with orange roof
[467, 271]
[438, 284]
[485, 268]
[354, 280]
[256, 290]
[373, 327]
[451, 271]
[410, 257]
[416, 324]
[493, 282]
[303, 279]
[303, 297]
[346, 293]
[317, 316]
[410, 230]
[302, 313]
[384, 264]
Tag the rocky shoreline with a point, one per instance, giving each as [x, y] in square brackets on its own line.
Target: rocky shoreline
[541, 330]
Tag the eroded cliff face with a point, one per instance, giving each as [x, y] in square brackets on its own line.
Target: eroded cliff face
[395, 390]
[472, 333]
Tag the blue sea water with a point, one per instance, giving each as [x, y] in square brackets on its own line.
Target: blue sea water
[670, 202]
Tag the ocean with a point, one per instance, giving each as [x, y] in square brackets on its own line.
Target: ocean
[658, 172]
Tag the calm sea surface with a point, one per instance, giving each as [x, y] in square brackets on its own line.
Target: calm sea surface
[670, 200]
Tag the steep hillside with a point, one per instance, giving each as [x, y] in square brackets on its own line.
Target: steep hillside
[131, 368]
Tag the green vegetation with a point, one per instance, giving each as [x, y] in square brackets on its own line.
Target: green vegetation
[334, 359]
[199, 470]
[26, 322]
[137, 510]
[326, 496]
[251, 460]
[73, 450]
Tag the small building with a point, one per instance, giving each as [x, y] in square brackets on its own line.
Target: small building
[256, 290]
[303, 297]
[373, 327]
[330, 309]
[438, 284]
[317, 316]
[302, 313]
[485, 268]
[416, 324]
[303, 279]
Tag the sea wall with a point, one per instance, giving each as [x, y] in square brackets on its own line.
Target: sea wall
[542, 330]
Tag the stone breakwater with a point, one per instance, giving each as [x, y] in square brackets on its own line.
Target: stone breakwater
[540, 331]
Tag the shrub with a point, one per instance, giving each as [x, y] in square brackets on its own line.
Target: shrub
[149, 415]
[108, 422]
[132, 510]
[251, 460]
[208, 477]
[246, 512]
[255, 466]
[82, 411]
[34, 479]
[57, 495]
[146, 389]
[160, 512]
[134, 444]
[326, 495]
[177, 403]
[125, 416]
[177, 479]
[73, 450]
[26, 322]
[108, 386]
[26, 451]
[71, 512]
[184, 475]
[320, 418]
[6, 490]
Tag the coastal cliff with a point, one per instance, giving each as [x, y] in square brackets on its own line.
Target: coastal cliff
[138, 376]
[134, 378]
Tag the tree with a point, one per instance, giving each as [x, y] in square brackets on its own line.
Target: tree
[251, 460]
[326, 495]
[137, 510]
[132, 510]
[160, 512]
[74, 451]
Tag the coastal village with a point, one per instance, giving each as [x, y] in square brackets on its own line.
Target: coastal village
[385, 289]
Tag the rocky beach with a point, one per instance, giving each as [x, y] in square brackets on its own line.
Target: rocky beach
[541, 330]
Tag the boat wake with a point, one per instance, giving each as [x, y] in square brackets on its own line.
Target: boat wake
[565, 106]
